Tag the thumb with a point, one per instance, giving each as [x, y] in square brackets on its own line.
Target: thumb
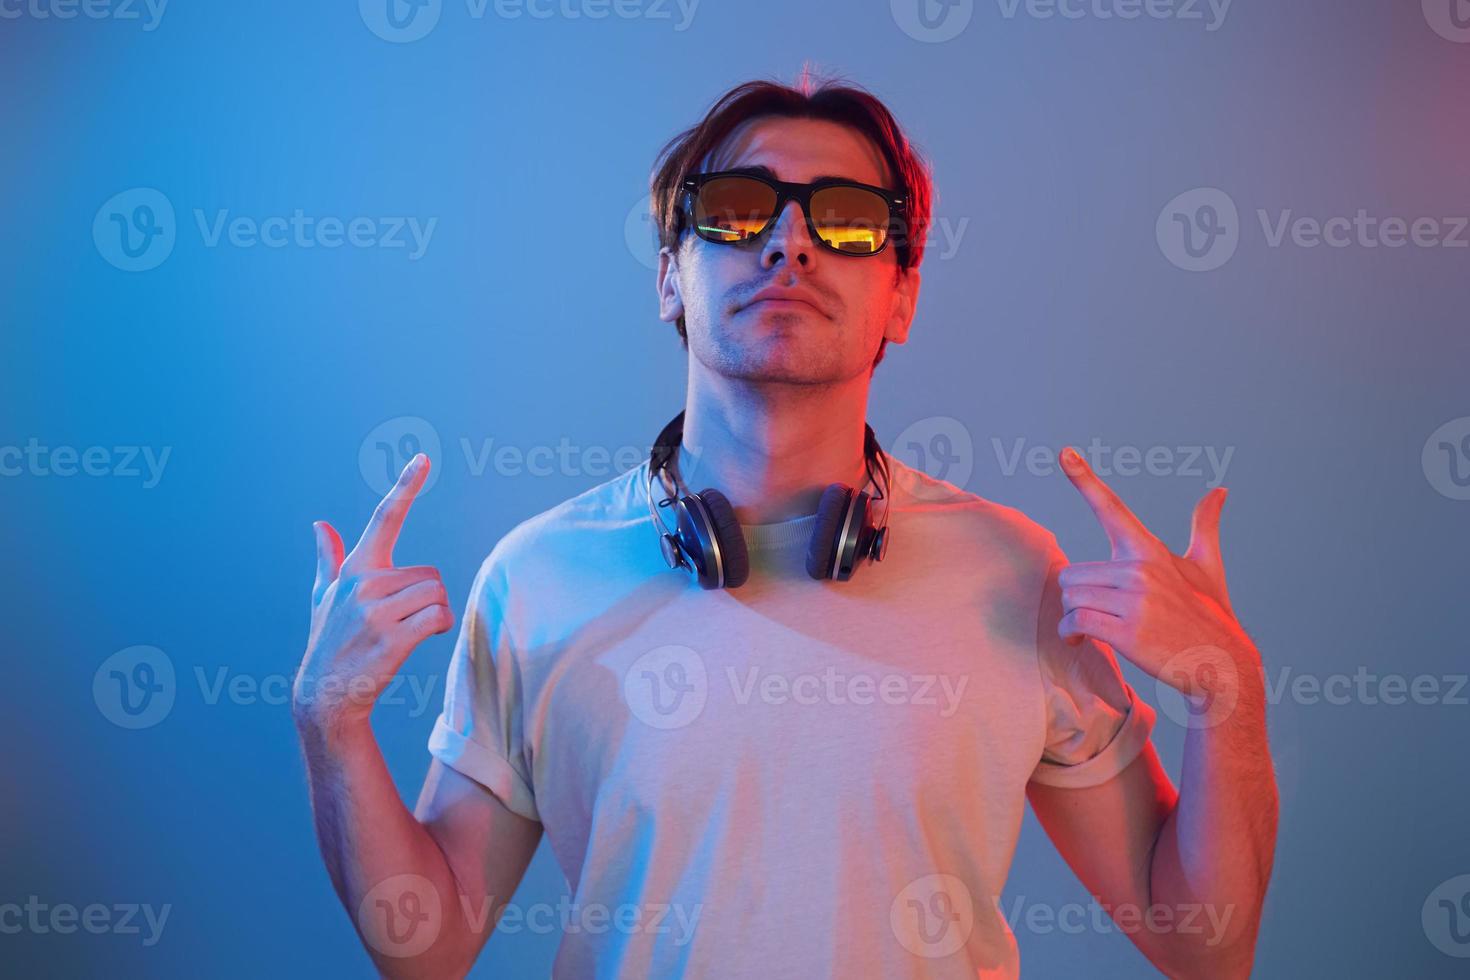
[328, 557]
[1204, 533]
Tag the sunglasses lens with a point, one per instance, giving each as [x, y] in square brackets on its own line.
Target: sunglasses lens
[733, 209]
[850, 219]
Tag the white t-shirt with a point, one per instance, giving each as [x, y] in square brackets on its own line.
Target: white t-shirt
[791, 779]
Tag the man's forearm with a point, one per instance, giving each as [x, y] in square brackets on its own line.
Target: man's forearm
[1215, 850]
[368, 836]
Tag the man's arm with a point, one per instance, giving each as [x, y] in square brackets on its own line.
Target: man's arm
[463, 846]
[418, 889]
[1199, 862]
[1183, 874]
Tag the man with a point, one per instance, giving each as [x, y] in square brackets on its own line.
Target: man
[821, 770]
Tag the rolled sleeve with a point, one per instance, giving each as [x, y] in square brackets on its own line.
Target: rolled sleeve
[1096, 724]
[479, 731]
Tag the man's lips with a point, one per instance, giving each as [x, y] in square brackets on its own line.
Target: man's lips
[777, 297]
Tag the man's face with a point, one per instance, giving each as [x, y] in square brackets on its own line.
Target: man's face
[856, 301]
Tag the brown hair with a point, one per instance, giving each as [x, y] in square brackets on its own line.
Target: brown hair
[830, 100]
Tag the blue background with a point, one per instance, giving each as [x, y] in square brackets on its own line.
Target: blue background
[530, 319]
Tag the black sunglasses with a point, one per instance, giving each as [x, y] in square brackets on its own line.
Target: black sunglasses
[730, 207]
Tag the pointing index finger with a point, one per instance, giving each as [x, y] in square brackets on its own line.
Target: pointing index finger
[1126, 533]
[375, 547]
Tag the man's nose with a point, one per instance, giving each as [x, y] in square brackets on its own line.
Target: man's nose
[789, 240]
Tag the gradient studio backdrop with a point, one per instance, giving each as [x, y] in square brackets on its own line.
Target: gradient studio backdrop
[230, 392]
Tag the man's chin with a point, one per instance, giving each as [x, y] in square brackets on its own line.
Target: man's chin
[780, 360]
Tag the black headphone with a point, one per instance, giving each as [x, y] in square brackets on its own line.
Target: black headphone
[707, 538]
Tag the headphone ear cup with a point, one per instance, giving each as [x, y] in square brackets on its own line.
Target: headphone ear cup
[822, 547]
[726, 531]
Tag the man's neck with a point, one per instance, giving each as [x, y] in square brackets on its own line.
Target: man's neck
[772, 448]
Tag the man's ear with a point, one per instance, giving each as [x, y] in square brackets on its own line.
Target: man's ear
[905, 298]
[670, 303]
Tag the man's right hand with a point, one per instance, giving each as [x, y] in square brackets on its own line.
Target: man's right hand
[366, 615]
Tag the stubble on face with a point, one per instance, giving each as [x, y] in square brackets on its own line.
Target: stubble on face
[779, 343]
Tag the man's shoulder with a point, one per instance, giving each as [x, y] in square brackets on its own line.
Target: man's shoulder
[967, 519]
[587, 528]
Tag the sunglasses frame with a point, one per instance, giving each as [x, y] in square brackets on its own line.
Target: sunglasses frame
[802, 195]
